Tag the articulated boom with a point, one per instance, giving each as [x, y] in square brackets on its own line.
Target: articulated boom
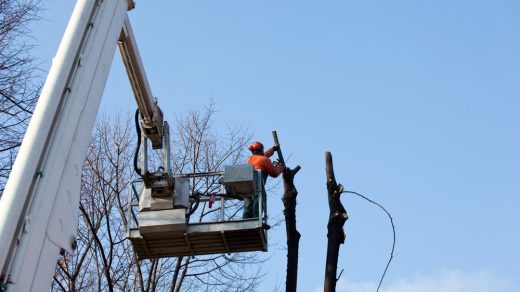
[151, 114]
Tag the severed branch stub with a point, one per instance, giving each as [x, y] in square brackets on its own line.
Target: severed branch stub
[335, 232]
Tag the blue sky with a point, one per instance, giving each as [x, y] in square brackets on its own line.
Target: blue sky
[418, 101]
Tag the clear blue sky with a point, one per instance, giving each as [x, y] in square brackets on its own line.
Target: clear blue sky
[418, 101]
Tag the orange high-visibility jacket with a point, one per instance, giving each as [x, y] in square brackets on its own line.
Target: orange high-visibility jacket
[263, 163]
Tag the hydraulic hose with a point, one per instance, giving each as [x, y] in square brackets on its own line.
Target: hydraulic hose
[138, 145]
[193, 207]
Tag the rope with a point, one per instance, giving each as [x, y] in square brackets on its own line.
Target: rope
[393, 232]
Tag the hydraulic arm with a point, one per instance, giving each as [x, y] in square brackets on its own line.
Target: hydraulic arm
[151, 114]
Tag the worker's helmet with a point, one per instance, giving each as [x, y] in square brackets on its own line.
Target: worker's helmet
[256, 146]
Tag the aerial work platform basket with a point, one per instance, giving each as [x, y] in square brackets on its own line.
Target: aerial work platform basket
[174, 226]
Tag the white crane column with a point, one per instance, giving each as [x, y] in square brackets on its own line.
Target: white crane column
[39, 207]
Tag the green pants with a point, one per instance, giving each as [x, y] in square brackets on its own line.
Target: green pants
[251, 204]
[250, 207]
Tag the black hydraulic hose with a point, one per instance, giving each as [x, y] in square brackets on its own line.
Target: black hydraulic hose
[138, 145]
[194, 207]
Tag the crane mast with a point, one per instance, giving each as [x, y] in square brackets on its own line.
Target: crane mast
[39, 206]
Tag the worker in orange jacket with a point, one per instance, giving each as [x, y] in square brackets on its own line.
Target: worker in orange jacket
[260, 160]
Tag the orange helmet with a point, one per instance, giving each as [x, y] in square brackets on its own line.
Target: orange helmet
[255, 146]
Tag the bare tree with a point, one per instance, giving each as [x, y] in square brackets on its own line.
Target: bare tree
[104, 259]
[197, 150]
[18, 88]
[335, 233]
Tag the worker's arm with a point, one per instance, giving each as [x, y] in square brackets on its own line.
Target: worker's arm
[269, 152]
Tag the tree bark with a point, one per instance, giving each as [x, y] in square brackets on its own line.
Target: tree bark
[176, 273]
[335, 233]
[293, 236]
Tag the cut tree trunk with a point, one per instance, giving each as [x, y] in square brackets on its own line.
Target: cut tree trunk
[293, 236]
[335, 233]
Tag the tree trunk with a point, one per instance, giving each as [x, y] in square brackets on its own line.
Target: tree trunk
[335, 233]
[293, 236]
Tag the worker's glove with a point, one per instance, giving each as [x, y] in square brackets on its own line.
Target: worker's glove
[276, 147]
[277, 163]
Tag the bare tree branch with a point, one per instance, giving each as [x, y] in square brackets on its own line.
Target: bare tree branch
[19, 87]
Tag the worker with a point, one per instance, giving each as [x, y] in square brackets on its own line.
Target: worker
[260, 161]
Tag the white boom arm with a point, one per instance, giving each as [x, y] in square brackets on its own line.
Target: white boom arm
[39, 206]
[151, 114]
